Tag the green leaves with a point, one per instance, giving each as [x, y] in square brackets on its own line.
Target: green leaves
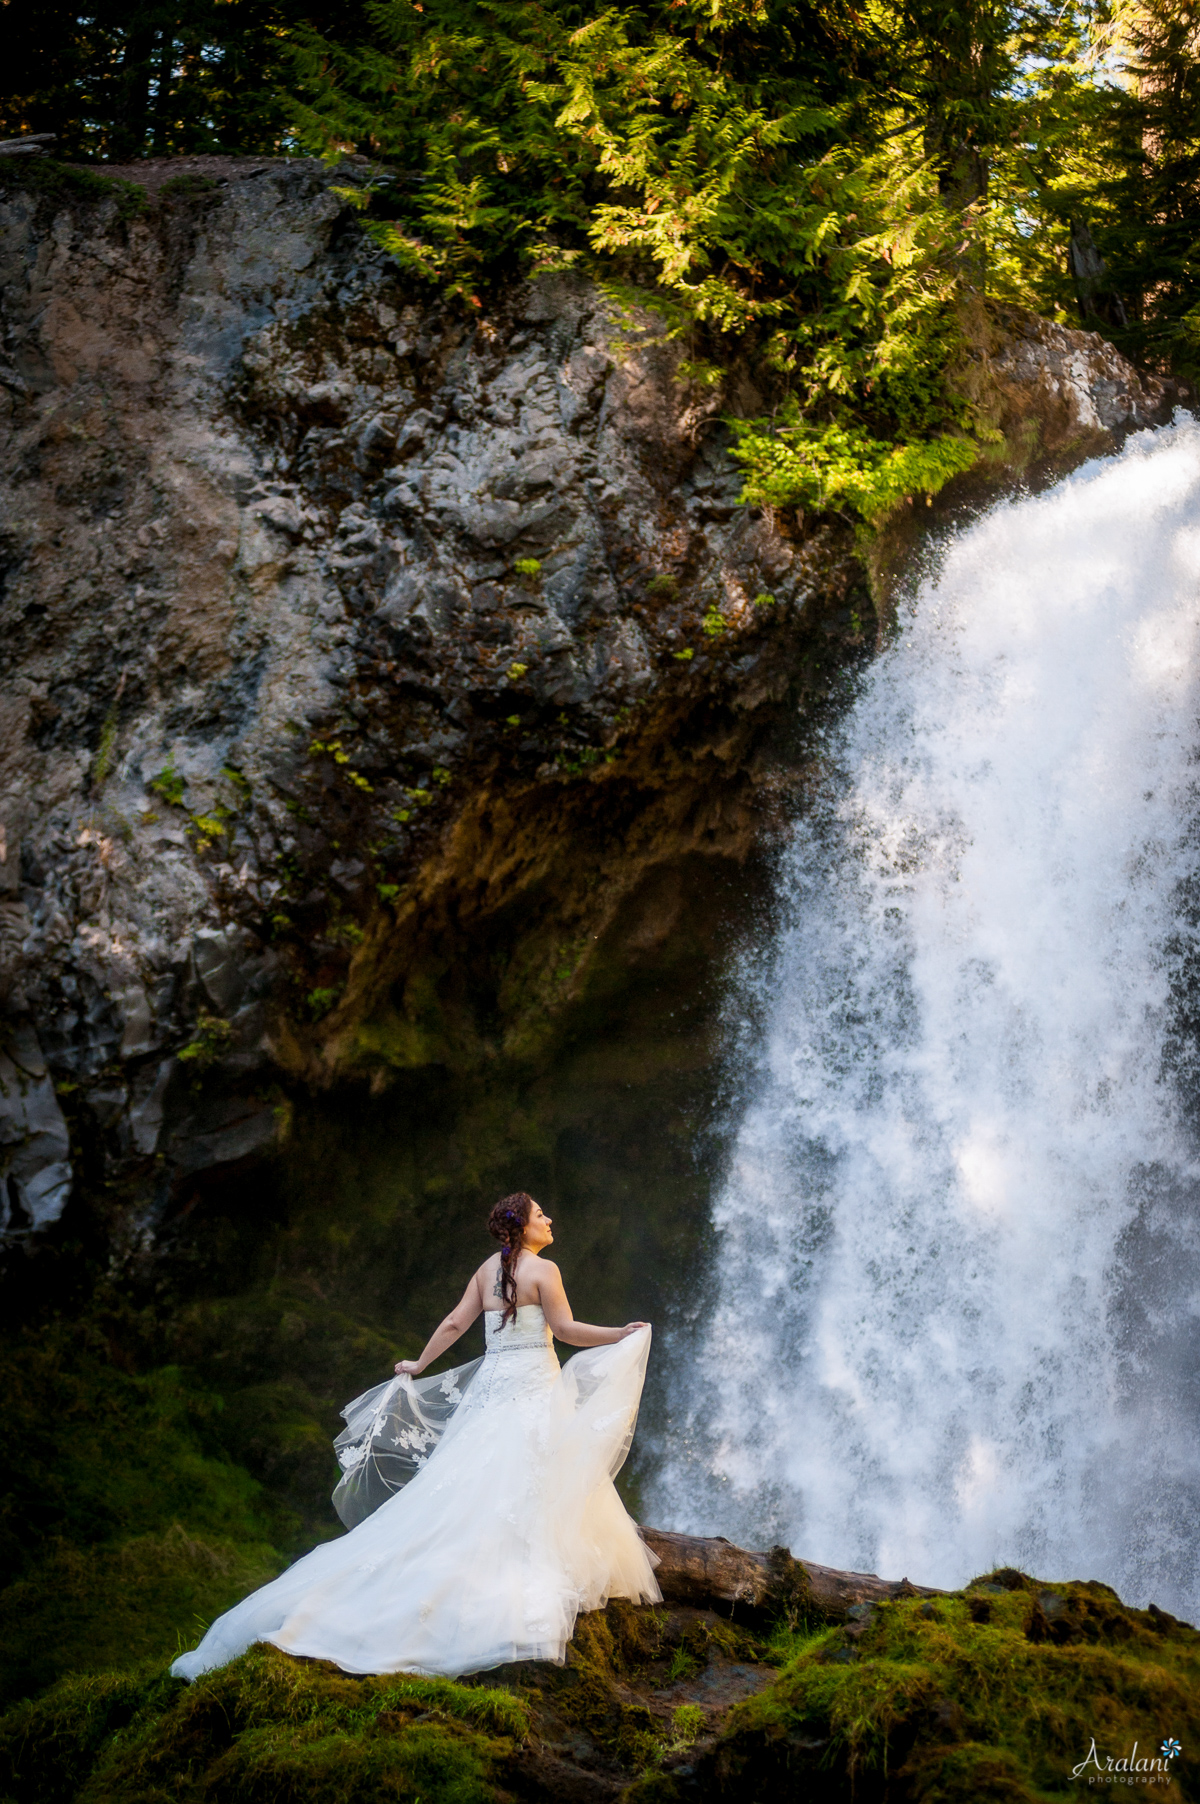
[517, 131]
[806, 184]
[838, 467]
[824, 173]
[728, 166]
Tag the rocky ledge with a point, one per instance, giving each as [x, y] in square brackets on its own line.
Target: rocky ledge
[821, 1686]
[370, 672]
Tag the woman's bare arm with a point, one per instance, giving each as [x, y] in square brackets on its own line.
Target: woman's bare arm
[468, 1310]
[563, 1326]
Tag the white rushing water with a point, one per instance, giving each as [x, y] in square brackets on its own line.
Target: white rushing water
[955, 1316]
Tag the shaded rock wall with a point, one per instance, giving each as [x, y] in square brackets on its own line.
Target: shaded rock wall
[375, 680]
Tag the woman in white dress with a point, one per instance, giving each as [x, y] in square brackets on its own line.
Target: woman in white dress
[493, 1519]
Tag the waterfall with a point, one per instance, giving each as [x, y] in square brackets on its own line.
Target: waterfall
[954, 1311]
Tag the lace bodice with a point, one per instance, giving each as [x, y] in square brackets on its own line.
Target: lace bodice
[504, 1376]
[527, 1329]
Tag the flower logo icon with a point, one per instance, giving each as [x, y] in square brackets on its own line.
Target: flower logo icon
[1171, 1747]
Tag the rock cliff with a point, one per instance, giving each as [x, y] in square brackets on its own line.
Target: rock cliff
[373, 675]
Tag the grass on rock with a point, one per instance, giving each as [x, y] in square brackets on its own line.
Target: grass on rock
[988, 1696]
[267, 1727]
[123, 1525]
[993, 1693]
[130, 1519]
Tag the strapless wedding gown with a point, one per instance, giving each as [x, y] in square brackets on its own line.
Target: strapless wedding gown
[508, 1527]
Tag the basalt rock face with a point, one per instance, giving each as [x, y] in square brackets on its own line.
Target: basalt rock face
[374, 675]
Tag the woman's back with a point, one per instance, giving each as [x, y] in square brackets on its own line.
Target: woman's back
[531, 1274]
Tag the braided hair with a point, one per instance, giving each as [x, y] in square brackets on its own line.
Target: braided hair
[507, 1224]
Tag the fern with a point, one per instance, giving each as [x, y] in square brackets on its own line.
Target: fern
[736, 166]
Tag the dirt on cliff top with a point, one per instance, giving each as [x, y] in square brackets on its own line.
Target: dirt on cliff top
[153, 173]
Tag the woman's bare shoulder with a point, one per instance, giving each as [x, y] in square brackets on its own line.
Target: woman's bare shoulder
[546, 1267]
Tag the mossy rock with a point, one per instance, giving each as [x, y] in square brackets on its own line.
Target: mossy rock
[130, 1519]
[993, 1693]
[89, 1611]
[68, 184]
[914, 1702]
[123, 1525]
[265, 1728]
[274, 1728]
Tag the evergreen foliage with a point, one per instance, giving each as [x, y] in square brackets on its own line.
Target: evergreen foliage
[1094, 214]
[1144, 186]
[820, 185]
[814, 183]
[121, 80]
[742, 169]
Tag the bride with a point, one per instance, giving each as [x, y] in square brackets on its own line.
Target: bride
[482, 1512]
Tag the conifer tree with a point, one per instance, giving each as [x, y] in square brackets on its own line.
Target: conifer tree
[1154, 244]
[124, 79]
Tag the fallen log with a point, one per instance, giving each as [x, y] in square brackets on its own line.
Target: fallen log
[31, 145]
[707, 1571]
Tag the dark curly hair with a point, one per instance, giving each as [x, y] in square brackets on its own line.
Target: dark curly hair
[507, 1224]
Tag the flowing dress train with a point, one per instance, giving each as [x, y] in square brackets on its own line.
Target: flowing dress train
[507, 1529]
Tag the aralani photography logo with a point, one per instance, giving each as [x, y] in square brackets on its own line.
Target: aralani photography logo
[1128, 1769]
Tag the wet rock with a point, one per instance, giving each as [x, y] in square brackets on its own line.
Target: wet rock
[35, 1166]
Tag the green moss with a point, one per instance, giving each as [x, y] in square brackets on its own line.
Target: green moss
[391, 1039]
[981, 1695]
[212, 1039]
[104, 754]
[986, 1696]
[168, 784]
[63, 182]
[265, 1728]
[321, 1768]
[48, 1748]
[121, 1522]
[98, 1609]
[984, 1775]
[619, 1658]
[286, 1360]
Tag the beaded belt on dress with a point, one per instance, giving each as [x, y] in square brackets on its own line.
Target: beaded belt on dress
[520, 1346]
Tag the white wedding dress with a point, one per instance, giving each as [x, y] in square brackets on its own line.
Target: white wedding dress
[507, 1528]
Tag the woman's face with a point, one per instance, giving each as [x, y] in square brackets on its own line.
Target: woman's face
[538, 1231]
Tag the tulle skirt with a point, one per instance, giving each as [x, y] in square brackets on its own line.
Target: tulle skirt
[488, 1554]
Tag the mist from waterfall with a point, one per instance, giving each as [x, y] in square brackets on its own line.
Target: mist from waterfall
[954, 1317]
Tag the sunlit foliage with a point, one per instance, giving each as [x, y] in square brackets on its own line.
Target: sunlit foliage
[814, 183]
